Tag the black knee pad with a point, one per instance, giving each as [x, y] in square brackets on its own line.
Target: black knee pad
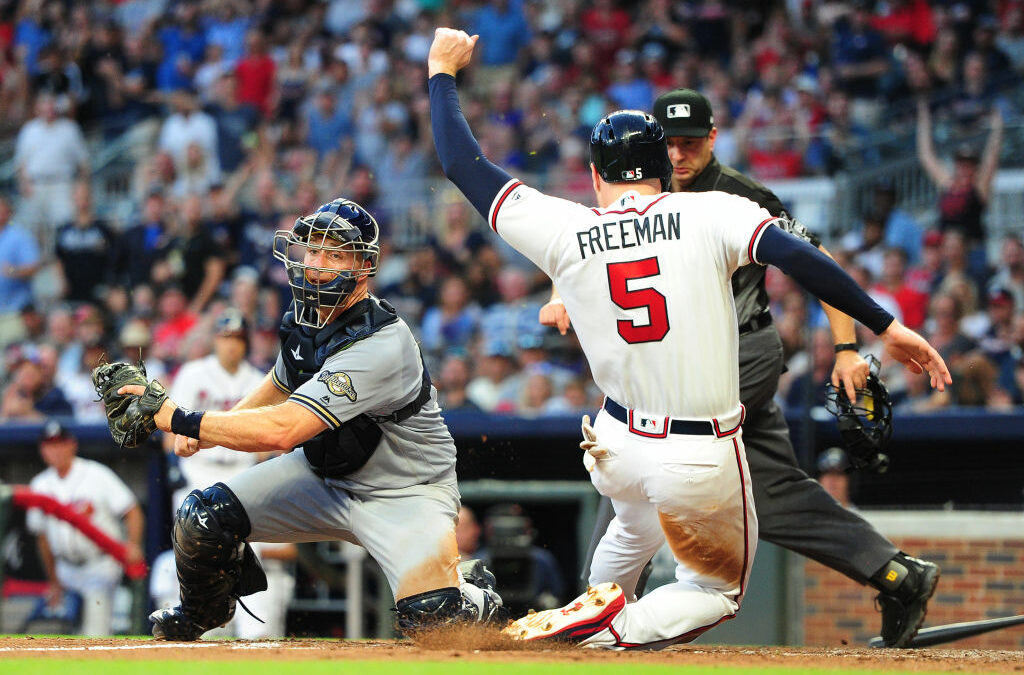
[438, 607]
[215, 565]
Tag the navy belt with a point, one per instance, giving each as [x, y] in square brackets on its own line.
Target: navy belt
[686, 427]
[757, 323]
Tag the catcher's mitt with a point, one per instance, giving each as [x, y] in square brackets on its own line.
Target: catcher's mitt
[866, 424]
[129, 417]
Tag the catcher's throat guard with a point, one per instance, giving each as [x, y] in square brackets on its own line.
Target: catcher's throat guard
[865, 425]
[338, 226]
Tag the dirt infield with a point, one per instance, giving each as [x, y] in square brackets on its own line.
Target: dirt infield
[951, 660]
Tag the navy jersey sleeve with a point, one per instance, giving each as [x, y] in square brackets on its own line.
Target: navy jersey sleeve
[820, 275]
[462, 160]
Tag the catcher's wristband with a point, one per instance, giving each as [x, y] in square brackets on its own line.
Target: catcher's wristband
[186, 422]
[846, 347]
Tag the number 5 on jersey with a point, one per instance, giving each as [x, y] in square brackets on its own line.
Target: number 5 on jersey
[619, 275]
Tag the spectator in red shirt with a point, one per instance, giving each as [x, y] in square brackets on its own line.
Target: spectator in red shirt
[913, 303]
[174, 324]
[907, 22]
[607, 28]
[256, 73]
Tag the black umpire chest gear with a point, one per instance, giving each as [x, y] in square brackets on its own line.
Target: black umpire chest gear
[336, 453]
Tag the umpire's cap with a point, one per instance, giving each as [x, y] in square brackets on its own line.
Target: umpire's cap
[684, 112]
[629, 146]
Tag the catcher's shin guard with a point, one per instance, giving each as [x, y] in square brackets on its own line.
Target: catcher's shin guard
[475, 601]
[215, 565]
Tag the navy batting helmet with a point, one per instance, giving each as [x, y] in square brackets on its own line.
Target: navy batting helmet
[338, 226]
[629, 146]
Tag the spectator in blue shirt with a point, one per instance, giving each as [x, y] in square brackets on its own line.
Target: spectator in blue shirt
[327, 123]
[30, 36]
[453, 322]
[184, 47]
[19, 260]
[901, 230]
[860, 54]
[228, 30]
[503, 31]
[630, 90]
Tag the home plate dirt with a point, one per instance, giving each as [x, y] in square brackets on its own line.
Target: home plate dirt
[491, 649]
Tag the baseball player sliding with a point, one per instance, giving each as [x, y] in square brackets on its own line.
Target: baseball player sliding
[646, 278]
[374, 463]
[793, 510]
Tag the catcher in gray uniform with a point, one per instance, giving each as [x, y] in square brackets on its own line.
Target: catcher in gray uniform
[374, 463]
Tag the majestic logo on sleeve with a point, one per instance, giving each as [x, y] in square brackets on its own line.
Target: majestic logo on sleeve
[339, 384]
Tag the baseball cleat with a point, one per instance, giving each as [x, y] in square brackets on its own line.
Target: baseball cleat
[588, 614]
[904, 609]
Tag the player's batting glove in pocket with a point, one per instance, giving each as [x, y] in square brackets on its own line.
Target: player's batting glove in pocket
[591, 447]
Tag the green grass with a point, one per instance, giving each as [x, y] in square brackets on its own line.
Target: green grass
[62, 666]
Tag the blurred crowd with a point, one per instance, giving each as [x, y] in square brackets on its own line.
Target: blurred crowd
[241, 116]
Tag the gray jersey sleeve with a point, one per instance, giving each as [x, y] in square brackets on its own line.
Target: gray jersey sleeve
[279, 376]
[377, 375]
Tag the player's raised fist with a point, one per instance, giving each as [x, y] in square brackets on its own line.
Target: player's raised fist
[450, 52]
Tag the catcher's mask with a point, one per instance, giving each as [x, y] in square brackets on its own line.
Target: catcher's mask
[865, 424]
[338, 226]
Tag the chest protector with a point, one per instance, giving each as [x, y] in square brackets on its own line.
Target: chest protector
[335, 453]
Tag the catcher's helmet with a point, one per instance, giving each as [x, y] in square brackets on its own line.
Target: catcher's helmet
[865, 424]
[340, 225]
[629, 146]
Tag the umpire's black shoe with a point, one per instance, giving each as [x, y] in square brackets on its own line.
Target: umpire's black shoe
[173, 624]
[906, 584]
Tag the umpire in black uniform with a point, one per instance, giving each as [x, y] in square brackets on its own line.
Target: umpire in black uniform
[793, 510]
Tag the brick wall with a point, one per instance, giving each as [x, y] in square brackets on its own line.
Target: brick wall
[982, 559]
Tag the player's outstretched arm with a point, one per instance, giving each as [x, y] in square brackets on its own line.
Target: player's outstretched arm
[820, 275]
[462, 160]
[270, 428]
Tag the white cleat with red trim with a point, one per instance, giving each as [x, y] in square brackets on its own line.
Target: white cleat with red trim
[582, 618]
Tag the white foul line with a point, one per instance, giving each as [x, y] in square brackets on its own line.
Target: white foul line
[158, 645]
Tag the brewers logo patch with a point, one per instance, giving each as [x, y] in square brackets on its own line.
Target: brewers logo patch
[339, 383]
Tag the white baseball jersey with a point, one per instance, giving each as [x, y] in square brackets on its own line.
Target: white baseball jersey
[646, 282]
[203, 384]
[93, 490]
